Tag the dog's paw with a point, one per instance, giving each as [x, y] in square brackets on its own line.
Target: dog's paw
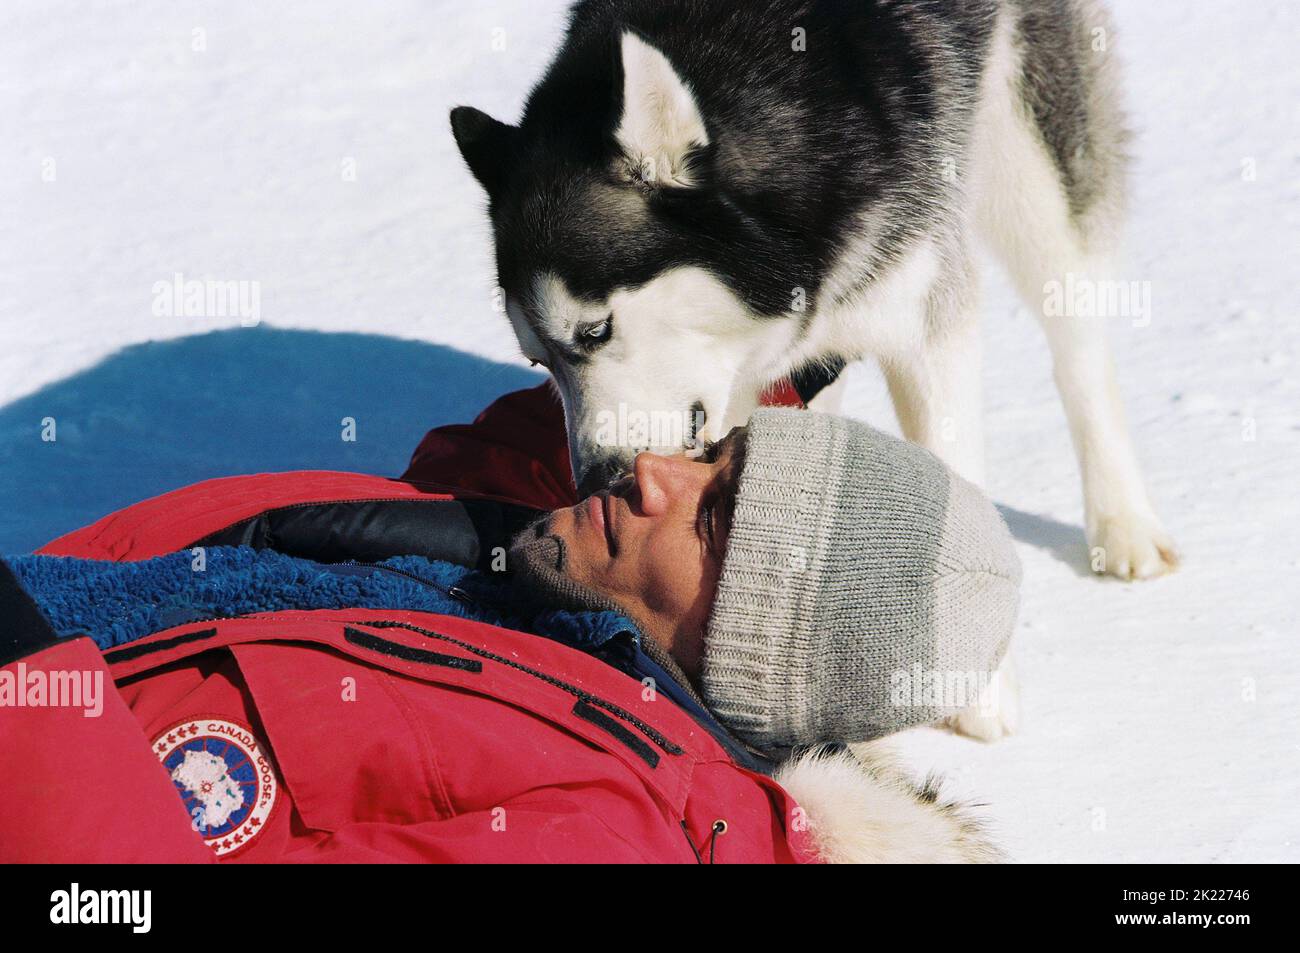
[997, 716]
[1131, 546]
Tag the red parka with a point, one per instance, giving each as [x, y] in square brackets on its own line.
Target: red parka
[367, 735]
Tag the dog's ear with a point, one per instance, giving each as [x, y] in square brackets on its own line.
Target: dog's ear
[661, 131]
[489, 146]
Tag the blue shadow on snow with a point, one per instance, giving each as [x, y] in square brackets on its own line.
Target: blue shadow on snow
[157, 416]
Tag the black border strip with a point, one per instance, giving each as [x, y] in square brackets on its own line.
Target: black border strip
[368, 640]
[136, 651]
[601, 720]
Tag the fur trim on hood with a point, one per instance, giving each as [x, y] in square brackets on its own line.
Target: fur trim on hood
[861, 808]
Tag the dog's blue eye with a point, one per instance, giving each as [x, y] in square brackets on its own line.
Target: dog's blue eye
[597, 333]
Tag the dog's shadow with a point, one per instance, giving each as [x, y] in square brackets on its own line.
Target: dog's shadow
[1063, 542]
[157, 416]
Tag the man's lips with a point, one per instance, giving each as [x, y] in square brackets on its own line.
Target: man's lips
[601, 515]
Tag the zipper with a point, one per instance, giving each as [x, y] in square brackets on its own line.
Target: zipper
[453, 592]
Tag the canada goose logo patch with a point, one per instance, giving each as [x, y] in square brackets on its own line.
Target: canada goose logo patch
[224, 778]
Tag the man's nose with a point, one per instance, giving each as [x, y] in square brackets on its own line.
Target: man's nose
[659, 480]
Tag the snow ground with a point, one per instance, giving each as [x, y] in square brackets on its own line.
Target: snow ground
[1160, 719]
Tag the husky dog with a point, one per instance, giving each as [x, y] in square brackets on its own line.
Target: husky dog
[706, 196]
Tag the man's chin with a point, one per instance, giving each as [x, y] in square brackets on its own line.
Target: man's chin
[564, 525]
[554, 540]
[537, 528]
[540, 561]
[536, 539]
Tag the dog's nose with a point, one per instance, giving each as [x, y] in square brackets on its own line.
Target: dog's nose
[600, 474]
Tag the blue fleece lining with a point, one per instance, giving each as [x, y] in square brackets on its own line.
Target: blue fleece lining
[118, 602]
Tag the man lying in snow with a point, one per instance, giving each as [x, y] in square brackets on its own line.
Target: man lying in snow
[308, 667]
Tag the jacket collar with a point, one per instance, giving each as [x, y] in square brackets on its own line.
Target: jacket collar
[117, 603]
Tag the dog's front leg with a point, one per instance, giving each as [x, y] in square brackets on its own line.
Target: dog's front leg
[937, 395]
[934, 380]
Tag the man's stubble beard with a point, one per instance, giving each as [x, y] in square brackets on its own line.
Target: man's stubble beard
[538, 562]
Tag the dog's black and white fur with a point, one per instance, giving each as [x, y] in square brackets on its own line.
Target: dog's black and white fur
[704, 196]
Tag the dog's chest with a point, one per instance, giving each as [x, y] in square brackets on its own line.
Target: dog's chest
[863, 316]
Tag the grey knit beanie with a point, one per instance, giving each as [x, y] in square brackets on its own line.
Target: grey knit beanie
[866, 588]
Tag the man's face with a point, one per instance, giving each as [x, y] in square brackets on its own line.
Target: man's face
[653, 542]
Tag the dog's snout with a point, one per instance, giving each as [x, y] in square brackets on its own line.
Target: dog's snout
[698, 418]
[600, 474]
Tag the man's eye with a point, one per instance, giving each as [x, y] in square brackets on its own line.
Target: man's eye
[590, 335]
[708, 517]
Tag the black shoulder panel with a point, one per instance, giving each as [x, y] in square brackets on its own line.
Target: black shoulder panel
[464, 532]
